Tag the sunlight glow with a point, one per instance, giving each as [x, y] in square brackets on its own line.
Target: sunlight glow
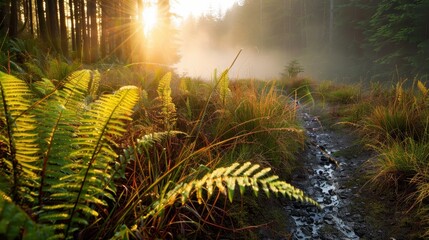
[183, 9]
[197, 8]
[149, 18]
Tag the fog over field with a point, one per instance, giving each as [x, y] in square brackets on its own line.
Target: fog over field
[268, 43]
[200, 61]
[327, 38]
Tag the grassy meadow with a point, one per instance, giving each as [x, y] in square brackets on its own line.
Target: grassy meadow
[133, 152]
[129, 152]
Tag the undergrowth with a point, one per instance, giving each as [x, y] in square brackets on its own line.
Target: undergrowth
[86, 162]
[393, 121]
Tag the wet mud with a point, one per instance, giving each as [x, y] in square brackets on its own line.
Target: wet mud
[333, 175]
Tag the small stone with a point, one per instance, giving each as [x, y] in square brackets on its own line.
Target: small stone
[306, 231]
[329, 222]
[327, 200]
[324, 159]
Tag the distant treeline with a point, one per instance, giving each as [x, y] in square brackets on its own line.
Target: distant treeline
[371, 37]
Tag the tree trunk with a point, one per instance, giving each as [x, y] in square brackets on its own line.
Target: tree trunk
[85, 37]
[52, 20]
[41, 20]
[63, 29]
[13, 20]
[78, 25]
[118, 29]
[72, 25]
[30, 7]
[93, 29]
[4, 16]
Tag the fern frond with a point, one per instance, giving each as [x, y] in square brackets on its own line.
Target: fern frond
[223, 87]
[106, 120]
[168, 108]
[16, 224]
[58, 115]
[21, 155]
[225, 179]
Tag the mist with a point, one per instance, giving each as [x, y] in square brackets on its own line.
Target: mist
[199, 59]
[328, 40]
[269, 36]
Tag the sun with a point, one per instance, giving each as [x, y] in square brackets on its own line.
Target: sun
[149, 17]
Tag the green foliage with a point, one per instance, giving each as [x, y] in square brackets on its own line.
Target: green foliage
[292, 69]
[18, 137]
[50, 68]
[168, 108]
[342, 94]
[263, 119]
[403, 115]
[398, 33]
[226, 180]
[59, 154]
[222, 84]
[16, 224]
[299, 89]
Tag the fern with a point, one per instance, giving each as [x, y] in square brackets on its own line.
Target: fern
[16, 224]
[226, 179]
[59, 117]
[223, 88]
[168, 109]
[93, 172]
[64, 166]
[19, 162]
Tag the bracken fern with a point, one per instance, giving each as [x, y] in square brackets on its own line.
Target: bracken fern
[58, 150]
[226, 179]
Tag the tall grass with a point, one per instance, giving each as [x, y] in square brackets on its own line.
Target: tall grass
[394, 122]
[252, 122]
[402, 115]
[396, 127]
[212, 125]
[267, 121]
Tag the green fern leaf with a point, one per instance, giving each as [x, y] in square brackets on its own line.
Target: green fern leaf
[16, 224]
[18, 131]
[223, 87]
[95, 136]
[225, 179]
[168, 109]
[59, 115]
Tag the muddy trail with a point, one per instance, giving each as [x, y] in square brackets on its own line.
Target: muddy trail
[333, 174]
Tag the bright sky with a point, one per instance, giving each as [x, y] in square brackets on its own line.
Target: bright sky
[196, 8]
[185, 9]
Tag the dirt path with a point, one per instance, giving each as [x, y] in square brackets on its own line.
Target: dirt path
[349, 210]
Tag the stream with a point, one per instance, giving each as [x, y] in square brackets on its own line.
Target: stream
[323, 179]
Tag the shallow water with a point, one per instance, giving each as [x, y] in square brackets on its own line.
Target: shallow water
[321, 183]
